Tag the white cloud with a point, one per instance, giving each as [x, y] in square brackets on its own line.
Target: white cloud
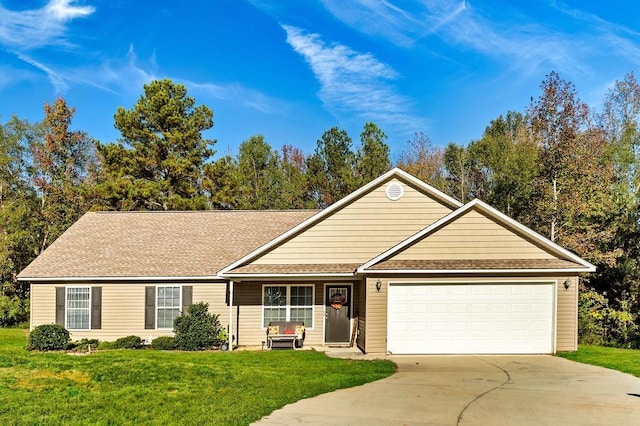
[403, 25]
[611, 37]
[57, 80]
[527, 46]
[63, 10]
[127, 76]
[46, 26]
[124, 75]
[354, 82]
[235, 93]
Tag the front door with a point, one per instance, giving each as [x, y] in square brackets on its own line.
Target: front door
[337, 313]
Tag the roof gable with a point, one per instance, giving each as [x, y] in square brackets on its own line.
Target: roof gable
[357, 227]
[477, 237]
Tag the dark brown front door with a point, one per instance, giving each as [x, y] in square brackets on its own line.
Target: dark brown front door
[337, 308]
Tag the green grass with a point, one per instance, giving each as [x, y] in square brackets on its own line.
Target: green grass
[157, 387]
[625, 360]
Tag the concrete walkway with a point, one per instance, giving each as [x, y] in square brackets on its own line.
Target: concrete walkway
[477, 390]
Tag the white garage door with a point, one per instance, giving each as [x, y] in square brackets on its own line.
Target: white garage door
[470, 318]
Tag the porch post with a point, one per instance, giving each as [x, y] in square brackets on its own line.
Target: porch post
[230, 315]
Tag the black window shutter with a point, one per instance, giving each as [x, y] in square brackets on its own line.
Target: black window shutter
[187, 297]
[150, 308]
[96, 308]
[60, 305]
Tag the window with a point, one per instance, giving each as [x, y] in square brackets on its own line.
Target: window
[168, 306]
[302, 304]
[78, 308]
[288, 303]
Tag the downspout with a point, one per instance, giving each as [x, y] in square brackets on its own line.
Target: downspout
[230, 315]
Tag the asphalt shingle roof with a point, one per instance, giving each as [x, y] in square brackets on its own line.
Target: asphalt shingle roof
[159, 244]
[475, 264]
[313, 268]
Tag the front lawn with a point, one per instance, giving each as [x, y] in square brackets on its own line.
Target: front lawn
[625, 360]
[156, 387]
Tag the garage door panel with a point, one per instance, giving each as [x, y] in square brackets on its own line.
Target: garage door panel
[471, 318]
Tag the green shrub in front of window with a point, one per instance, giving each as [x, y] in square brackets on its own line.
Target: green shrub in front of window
[128, 342]
[164, 343]
[196, 329]
[48, 337]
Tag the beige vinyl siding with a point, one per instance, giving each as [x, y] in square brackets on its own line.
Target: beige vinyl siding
[567, 317]
[473, 236]
[247, 301]
[247, 305]
[361, 230]
[566, 307]
[43, 305]
[376, 328]
[123, 306]
[360, 290]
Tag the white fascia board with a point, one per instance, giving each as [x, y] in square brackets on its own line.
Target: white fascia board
[492, 212]
[425, 186]
[340, 274]
[476, 271]
[395, 172]
[72, 279]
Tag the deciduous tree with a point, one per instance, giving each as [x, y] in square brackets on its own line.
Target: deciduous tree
[506, 163]
[424, 160]
[572, 194]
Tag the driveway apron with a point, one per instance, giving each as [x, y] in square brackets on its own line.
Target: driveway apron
[477, 390]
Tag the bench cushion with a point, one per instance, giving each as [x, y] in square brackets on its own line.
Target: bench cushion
[273, 329]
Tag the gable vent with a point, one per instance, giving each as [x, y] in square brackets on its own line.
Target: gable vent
[394, 191]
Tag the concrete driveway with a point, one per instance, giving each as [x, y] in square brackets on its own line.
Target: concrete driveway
[478, 390]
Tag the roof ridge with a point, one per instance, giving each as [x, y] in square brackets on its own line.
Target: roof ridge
[115, 212]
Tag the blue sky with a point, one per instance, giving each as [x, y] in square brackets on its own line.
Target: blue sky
[292, 69]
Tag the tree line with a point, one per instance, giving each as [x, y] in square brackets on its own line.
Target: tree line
[565, 170]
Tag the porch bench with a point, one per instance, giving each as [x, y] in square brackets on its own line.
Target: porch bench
[285, 334]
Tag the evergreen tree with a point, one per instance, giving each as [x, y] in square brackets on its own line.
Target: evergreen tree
[159, 162]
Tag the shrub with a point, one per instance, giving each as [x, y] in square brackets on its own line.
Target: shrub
[222, 337]
[106, 345]
[600, 324]
[196, 329]
[13, 311]
[164, 343]
[48, 337]
[129, 342]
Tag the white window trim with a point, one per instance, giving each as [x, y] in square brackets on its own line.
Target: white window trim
[288, 303]
[164, 307]
[66, 299]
